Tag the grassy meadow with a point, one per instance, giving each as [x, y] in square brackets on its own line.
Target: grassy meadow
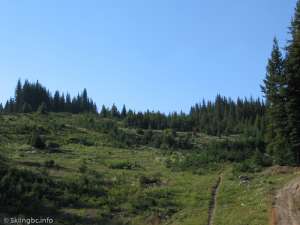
[84, 177]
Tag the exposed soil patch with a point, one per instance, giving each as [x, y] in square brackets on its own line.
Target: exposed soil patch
[281, 170]
[286, 207]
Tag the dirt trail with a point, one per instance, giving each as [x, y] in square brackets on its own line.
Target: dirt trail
[286, 208]
[213, 201]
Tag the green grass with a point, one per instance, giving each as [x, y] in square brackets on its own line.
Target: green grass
[190, 193]
[179, 198]
[240, 204]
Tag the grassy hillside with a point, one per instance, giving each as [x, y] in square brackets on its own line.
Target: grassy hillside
[250, 203]
[80, 169]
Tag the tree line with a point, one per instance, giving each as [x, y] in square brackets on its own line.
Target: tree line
[29, 97]
[223, 116]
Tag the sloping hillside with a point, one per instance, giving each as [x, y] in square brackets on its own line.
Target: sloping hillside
[81, 169]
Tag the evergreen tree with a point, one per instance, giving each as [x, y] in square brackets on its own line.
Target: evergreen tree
[104, 112]
[68, 106]
[123, 112]
[19, 96]
[293, 84]
[84, 100]
[6, 107]
[114, 111]
[10, 106]
[56, 101]
[26, 108]
[275, 92]
[62, 103]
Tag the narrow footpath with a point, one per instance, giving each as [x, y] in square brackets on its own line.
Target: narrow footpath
[213, 201]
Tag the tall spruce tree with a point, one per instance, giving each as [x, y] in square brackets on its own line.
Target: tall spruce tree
[293, 84]
[123, 112]
[275, 92]
[84, 100]
[19, 96]
[56, 101]
[68, 106]
[104, 112]
[114, 111]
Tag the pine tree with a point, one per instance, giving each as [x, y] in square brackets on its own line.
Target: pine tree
[275, 92]
[6, 107]
[68, 106]
[10, 106]
[19, 96]
[85, 100]
[56, 101]
[293, 84]
[103, 112]
[26, 108]
[62, 103]
[123, 112]
[114, 111]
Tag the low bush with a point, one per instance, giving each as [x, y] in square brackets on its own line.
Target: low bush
[42, 109]
[81, 141]
[146, 181]
[50, 164]
[23, 191]
[52, 145]
[124, 165]
[140, 131]
[160, 202]
[37, 141]
[82, 168]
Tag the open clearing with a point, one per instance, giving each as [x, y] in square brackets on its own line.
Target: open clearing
[140, 187]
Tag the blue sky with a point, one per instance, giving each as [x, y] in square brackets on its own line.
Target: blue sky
[156, 54]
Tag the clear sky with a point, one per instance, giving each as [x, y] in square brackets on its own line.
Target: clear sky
[156, 54]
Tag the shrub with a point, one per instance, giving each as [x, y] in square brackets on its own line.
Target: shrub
[156, 140]
[49, 163]
[42, 108]
[37, 141]
[81, 141]
[25, 128]
[24, 191]
[147, 136]
[124, 165]
[89, 184]
[140, 131]
[247, 166]
[146, 181]
[82, 168]
[160, 202]
[168, 140]
[3, 161]
[52, 145]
